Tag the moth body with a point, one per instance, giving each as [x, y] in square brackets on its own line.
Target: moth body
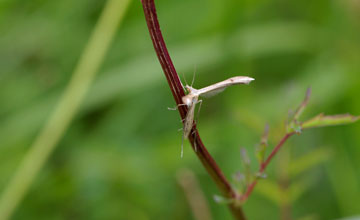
[192, 98]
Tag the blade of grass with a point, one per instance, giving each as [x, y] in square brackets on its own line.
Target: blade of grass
[60, 119]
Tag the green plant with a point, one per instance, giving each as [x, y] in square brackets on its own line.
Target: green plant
[233, 197]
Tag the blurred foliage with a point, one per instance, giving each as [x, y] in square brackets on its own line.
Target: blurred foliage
[119, 158]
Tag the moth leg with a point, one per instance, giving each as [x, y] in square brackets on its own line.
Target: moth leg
[193, 79]
[176, 107]
[196, 118]
[182, 146]
[173, 109]
[198, 112]
[184, 80]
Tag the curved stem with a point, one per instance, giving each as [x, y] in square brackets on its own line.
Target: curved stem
[178, 92]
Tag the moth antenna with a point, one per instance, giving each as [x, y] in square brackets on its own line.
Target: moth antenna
[193, 79]
[184, 78]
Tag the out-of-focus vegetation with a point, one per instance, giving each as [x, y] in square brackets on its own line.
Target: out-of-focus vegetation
[120, 156]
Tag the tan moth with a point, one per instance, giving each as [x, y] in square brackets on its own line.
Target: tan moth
[192, 98]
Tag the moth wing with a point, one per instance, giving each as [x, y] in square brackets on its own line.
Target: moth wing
[213, 92]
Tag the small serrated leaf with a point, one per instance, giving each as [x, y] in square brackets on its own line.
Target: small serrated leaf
[322, 120]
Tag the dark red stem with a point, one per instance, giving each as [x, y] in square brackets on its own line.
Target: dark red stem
[275, 150]
[263, 166]
[178, 92]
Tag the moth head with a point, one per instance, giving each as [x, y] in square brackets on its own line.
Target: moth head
[188, 99]
[188, 88]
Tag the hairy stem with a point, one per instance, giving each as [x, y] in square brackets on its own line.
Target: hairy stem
[178, 92]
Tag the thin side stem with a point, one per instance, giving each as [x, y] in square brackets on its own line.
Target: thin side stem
[264, 165]
[275, 150]
[178, 92]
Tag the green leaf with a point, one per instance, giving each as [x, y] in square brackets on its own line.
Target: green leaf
[270, 190]
[273, 191]
[310, 160]
[322, 120]
[297, 189]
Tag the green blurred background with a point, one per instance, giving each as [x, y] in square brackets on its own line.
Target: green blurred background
[121, 154]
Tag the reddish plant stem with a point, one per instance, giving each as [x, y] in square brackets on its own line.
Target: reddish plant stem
[275, 150]
[178, 92]
[263, 166]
